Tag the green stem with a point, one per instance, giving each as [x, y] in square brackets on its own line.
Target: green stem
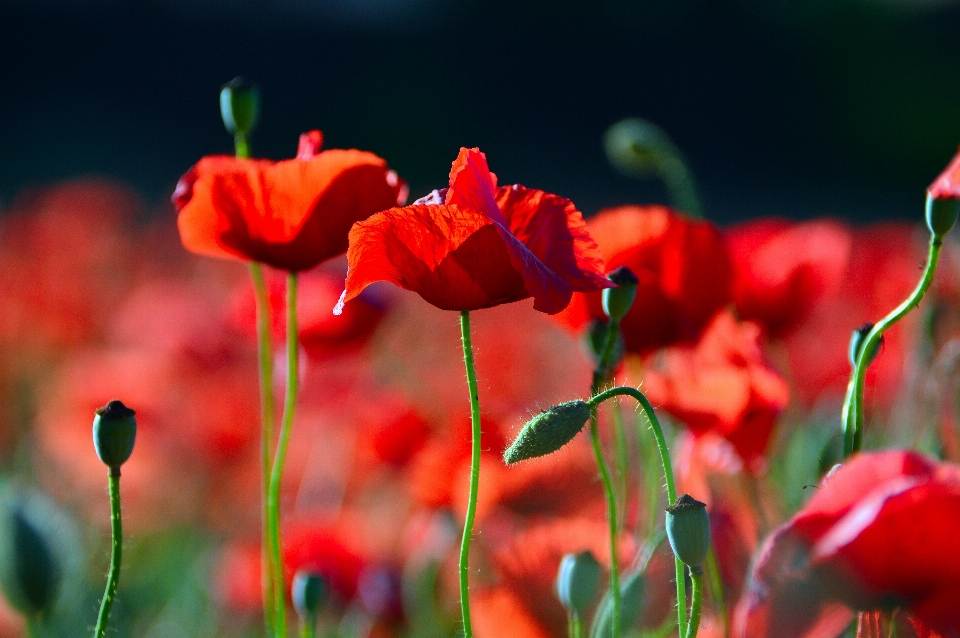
[474, 472]
[34, 625]
[308, 626]
[668, 477]
[116, 553]
[696, 575]
[854, 399]
[574, 625]
[600, 376]
[265, 359]
[716, 589]
[622, 462]
[240, 146]
[276, 472]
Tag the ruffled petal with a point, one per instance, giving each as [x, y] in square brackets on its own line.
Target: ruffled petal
[472, 185]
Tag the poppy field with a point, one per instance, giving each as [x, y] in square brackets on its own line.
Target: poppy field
[324, 405]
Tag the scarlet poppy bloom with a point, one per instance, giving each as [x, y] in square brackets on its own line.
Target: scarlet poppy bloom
[879, 534]
[291, 214]
[684, 270]
[782, 268]
[474, 245]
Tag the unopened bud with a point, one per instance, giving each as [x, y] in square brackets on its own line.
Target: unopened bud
[548, 431]
[30, 572]
[688, 530]
[309, 593]
[618, 301]
[114, 433]
[239, 106]
[941, 214]
[577, 581]
[857, 339]
[631, 600]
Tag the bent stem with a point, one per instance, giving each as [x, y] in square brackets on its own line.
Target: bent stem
[116, 553]
[668, 477]
[853, 402]
[276, 471]
[696, 576]
[474, 472]
[265, 359]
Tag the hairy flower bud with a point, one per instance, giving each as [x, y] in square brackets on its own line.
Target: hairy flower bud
[941, 214]
[309, 592]
[114, 433]
[688, 530]
[239, 106]
[618, 301]
[857, 340]
[548, 431]
[577, 581]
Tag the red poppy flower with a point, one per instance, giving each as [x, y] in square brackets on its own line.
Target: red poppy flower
[722, 385]
[782, 268]
[684, 270]
[947, 184]
[291, 214]
[474, 245]
[880, 533]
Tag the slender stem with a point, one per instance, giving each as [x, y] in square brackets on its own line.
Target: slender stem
[308, 626]
[696, 576]
[600, 376]
[116, 553]
[240, 146]
[474, 472]
[716, 589]
[854, 400]
[276, 472]
[668, 477]
[574, 625]
[265, 359]
[622, 461]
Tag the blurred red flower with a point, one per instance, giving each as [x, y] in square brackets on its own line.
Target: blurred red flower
[880, 533]
[722, 385]
[684, 270]
[947, 184]
[474, 245]
[291, 214]
[782, 268]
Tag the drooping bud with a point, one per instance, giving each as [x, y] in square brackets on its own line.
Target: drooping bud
[30, 570]
[309, 593]
[114, 433]
[618, 301]
[548, 431]
[577, 581]
[688, 530]
[941, 214]
[239, 106]
[857, 340]
[631, 600]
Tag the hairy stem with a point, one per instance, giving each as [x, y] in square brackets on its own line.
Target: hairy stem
[116, 554]
[474, 472]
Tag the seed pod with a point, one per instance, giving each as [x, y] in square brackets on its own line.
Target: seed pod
[941, 214]
[577, 581]
[548, 431]
[618, 301]
[114, 433]
[239, 106]
[309, 593]
[857, 340]
[688, 530]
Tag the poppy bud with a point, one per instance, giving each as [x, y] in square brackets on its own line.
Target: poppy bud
[30, 573]
[309, 593]
[856, 344]
[239, 106]
[688, 530]
[114, 433]
[618, 301]
[548, 431]
[631, 599]
[941, 214]
[577, 581]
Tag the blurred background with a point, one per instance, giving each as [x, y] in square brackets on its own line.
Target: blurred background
[823, 107]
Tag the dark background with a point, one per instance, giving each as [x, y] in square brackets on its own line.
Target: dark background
[782, 107]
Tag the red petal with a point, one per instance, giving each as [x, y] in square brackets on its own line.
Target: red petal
[947, 184]
[472, 185]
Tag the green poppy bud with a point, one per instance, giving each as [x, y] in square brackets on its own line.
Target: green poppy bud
[114, 433]
[548, 431]
[857, 340]
[618, 301]
[309, 593]
[30, 572]
[239, 106]
[631, 601]
[941, 214]
[688, 530]
[577, 581]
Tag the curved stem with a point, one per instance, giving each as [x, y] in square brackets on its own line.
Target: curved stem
[668, 477]
[276, 472]
[116, 553]
[265, 360]
[854, 399]
[474, 472]
[696, 576]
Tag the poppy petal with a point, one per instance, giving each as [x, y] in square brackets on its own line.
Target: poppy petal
[472, 185]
